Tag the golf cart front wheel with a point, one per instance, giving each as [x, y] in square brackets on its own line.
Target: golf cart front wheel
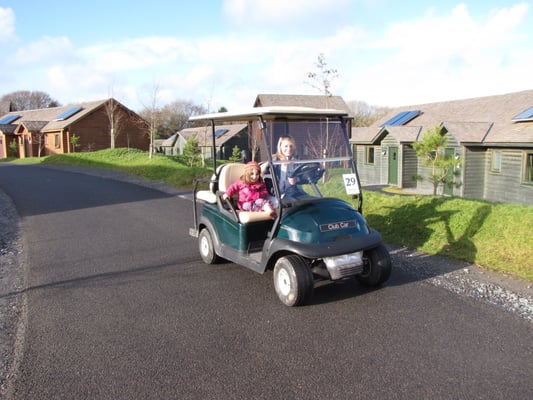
[377, 268]
[293, 281]
[206, 247]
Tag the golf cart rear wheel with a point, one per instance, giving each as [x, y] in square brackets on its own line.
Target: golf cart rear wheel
[293, 281]
[206, 247]
[378, 267]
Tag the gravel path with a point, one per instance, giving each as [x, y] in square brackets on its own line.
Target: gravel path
[458, 277]
[11, 284]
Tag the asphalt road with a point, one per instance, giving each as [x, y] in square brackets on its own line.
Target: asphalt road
[117, 304]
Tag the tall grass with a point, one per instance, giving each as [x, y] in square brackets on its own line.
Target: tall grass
[496, 236]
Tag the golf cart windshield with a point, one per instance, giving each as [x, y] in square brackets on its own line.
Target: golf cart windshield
[319, 163]
[308, 157]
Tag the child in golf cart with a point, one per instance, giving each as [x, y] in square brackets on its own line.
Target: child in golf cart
[251, 189]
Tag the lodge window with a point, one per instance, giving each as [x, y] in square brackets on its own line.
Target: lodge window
[496, 161]
[56, 141]
[528, 168]
[369, 155]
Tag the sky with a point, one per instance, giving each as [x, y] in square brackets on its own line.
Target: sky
[223, 53]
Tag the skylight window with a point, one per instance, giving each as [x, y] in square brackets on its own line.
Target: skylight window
[526, 115]
[9, 119]
[220, 132]
[67, 114]
[402, 118]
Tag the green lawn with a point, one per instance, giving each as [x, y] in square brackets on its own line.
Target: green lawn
[136, 162]
[496, 236]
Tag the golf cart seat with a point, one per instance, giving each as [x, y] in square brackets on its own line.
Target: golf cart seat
[227, 174]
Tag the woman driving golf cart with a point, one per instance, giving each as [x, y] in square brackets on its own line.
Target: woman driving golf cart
[284, 168]
[286, 152]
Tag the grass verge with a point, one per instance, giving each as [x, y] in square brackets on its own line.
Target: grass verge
[136, 162]
[496, 236]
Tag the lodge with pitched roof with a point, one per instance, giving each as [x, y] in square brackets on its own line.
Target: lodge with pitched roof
[226, 138]
[492, 136]
[57, 130]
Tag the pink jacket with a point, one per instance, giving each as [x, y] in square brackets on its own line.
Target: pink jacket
[246, 192]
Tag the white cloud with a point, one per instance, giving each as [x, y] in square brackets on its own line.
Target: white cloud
[446, 57]
[278, 10]
[44, 50]
[199, 74]
[506, 18]
[57, 77]
[7, 24]
[458, 33]
[134, 54]
[77, 82]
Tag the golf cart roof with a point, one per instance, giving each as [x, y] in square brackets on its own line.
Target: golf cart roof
[271, 113]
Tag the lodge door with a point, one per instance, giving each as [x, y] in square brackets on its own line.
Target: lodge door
[393, 165]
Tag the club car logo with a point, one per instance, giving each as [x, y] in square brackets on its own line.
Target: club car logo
[335, 226]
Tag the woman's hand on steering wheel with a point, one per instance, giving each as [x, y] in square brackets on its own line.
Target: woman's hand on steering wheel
[307, 173]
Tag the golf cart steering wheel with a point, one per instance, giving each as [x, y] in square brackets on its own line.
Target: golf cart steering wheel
[307, 173]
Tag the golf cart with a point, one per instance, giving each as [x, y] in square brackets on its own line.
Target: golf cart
[316, 234]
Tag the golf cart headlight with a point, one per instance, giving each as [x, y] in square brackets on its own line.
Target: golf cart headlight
[345, 259]
[344, 265]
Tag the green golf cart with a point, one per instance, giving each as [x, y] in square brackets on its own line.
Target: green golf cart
[318, 232]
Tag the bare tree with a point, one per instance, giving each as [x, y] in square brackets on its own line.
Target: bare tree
[115, 115]
[207, 130]
[175, 116]
[153, 117]
[365, 114]
[27, 100]
[321, 79]
[75, 142]
[39, 138]
[323, 142]
[167, 120]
